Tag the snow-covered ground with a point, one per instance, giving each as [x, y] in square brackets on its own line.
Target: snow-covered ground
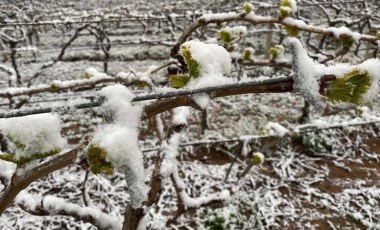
[322, 174]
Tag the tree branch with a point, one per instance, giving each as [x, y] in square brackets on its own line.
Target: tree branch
[21, 180]
[250, 18]
[57, 206]
[178, 98]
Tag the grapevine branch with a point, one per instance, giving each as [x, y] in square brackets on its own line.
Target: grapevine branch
[306, 128]
[178, 98]
[237, 17]
[21, 180]
[85, 214]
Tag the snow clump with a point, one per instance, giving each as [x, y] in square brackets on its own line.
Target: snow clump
[35, 134]
[213, 60]
[119, 139]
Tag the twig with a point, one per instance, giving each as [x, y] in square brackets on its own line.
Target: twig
[84, 193]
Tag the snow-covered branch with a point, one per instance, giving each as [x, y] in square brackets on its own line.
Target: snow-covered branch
[176, 98]
[20, 179]
[255, 19]
[50, 205]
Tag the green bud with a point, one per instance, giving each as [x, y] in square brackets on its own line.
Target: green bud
[350, 88]
[276, 52]
[346, 40]
[378, 35]
[179, 80]
[87, 75]
[225, 36]
[286, 8]
[291, 31]
[248, 54]
[53, 86]
[257, 158]
[248, 7]
[97, 159]
[141, 84]
[192, 65]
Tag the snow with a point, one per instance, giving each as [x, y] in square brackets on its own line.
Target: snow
[56, 205]
[209, 80]
[6, 169]
[338, 32]
[214, 63]
[190, 202]
[180, 115]
[219, 16]
[92, 72]
[120, 139]
[294, 22]
[306, 74]
[372, 66]
[36, 133]
[279, 129]
[212, 58]
[138, 76]
[203, 100]
[246, 148]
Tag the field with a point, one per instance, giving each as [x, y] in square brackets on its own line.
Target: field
[320, 168]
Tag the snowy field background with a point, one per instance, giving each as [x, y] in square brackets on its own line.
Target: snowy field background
[326, 176]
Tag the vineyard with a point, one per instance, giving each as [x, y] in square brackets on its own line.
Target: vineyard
[220, 114]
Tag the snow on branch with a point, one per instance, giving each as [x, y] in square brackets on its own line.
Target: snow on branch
[293, 24]
[50, 205]
[91, 80]
[176, 98]
[277, 130]
[169, 169]
[357, 84]
[110, 150]
[20, 181]
[31, 137]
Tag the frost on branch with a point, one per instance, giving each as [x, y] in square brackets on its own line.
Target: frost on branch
[207, 64]
[31, 137]
[115, 145]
